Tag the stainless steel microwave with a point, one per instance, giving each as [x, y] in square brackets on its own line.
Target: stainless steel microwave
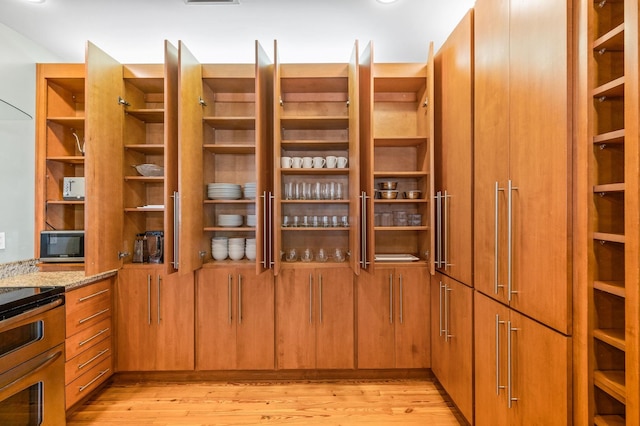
[62, 246]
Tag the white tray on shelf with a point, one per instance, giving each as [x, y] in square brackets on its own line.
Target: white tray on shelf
[387, 257]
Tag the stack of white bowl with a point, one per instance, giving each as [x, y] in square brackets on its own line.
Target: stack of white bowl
[250, 248]
[250, 190]
[236, 248]
[219, 248]
[224, 191]
[229, 220]
[251, 220]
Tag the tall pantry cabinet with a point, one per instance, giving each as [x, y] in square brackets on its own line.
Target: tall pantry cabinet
[522, 205]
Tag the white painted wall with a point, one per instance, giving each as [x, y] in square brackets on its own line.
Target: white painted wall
[18, 57]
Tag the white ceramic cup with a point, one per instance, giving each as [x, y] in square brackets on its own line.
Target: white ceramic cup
[286, 162]
[307, 162]
[296, 162]
[332, 161]
[342, 162]
[318, 162]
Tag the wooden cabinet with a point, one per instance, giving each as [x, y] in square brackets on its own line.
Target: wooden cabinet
[314, 318]
[393, 318]
[234, 319]
[155, 320]
[396, 126]
[511, 352]
[316, 115]
[523, 157]
[452, 340]
[453, 174]
[60, 142]
[88, 345]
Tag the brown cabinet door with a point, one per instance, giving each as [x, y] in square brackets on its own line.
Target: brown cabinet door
[334, 318]
[376, 335]
[439, 356]
[255, 320]
[411, 317]
[295, 329]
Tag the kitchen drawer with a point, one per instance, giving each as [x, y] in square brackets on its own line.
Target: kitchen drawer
[86, 360]
[88, 306]
[88, 337]
[87, 382]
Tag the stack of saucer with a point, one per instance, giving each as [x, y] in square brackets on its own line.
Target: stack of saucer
[250, 190]
[250, 248]
[224, 191]
[251, 220]
[236, 248]
[229, 220]
[219, 248]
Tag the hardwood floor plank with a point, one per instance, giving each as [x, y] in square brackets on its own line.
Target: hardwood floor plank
[402, 402]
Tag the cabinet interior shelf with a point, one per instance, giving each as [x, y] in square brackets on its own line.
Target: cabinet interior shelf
[399, 174]
[149, 115]
[72, 122]
[229, 229]
[616, 136]
[611, 382]
[613, 89]
[314, 145]
[608, 237]
[610, 187]
[312, 171]
[65, 202]
[401, 228]
[143, 209]
[146, 148]
[230, 148]
[67, 159]
[243, 201]
[231, 123]
[146, 179]
[401, 201]
[315, 122]
[317, 228]
[612, 287]
[315, 201]
[613, 40]
[611, 336]
[400, 141]
[609, 420]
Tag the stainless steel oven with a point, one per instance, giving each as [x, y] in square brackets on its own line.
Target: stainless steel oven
[32, 357]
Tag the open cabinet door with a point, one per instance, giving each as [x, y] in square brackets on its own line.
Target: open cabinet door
[103, 162]
[264, 160]
[354, 158]
[277, 140]
[430, 103]
[367, 191]
[171, 156]
[190, 173]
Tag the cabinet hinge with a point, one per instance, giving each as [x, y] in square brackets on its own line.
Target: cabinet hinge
[201, 101]
[123, 102]
[426, 103]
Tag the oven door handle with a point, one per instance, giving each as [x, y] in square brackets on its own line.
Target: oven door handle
[28, 369]
[5, 324]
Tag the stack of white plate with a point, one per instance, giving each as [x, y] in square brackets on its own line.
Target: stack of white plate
[250, 190]
[251, 220]
[219, 248]
[229, 220]
[224, 191]
[250, 248]
[236, 248]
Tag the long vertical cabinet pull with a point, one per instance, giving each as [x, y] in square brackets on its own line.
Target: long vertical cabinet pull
[496, 244]
[498, 386]
[401, 298]
[159, 291]
[447, 334]
[438, 254]
[510, 396]
[320, 295]
[176, 229]
[229, 279]
[442, 331]
[363, 231]
[310, 298]
[239, 298]
[510, 241]
[445, 231]
[265, 203]
[390, 298]
[271, 262]
[149, 299]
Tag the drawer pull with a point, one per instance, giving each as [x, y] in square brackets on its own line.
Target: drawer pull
[98, 355]
[99, 333]
[95, 379]
[90, 317]
[91, 296]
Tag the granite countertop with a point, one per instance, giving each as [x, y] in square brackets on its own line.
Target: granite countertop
[67, 279]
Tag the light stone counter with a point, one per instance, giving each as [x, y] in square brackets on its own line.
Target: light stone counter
[67, 279]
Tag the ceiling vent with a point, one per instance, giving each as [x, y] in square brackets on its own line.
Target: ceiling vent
[212, 1]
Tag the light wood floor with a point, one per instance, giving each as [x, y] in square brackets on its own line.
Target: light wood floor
[402, 402]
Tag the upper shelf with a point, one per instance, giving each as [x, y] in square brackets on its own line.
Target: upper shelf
[315, 122]
[150, 115]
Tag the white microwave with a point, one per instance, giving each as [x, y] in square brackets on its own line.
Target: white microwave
[73, 188]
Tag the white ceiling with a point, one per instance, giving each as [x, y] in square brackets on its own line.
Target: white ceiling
[306, 30]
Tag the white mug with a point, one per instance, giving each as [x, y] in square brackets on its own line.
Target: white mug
[332, 161]
[297, 162]
[286, 162]
[307, 162]
[342, 162]
[318, 162]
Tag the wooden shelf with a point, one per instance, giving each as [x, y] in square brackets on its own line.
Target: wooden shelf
[149, 149]
[314, 228]
[400, 174]
[143, 209]
[609, 420]
[614, 137]
[612, 89]
[315, 122]
[72, 122]
[400, 141]
[607, 237]
[612, 383]
[67, 159]
[151, 115]
[610, 187]
[312, 171]
[401, 228]
[229, 229]
[230, 148]
[611, 336]
[400, 201]
[65, 202]
[613, 40]
[612, 287]
[241, 201]
[314, 145]
[231, 123]
[315, 201]
[145, 179]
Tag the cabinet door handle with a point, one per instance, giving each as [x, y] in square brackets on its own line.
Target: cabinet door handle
[159, 293]
[89, 361]
[401, 300]
[265, 260]
[320, 295]
[363, 231]
[498, 386]
[496, 238]
[90, 317]
[390, 298]
[239, 298]
[270, 229]
[310, 299]
[149, 299]
[92, 381]
[440, 329]
[176, 229]
[447, 334]
[438, 254]
[510, 396]
[91, 296]
[445, 230]
[510, 291]
[229, 306]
